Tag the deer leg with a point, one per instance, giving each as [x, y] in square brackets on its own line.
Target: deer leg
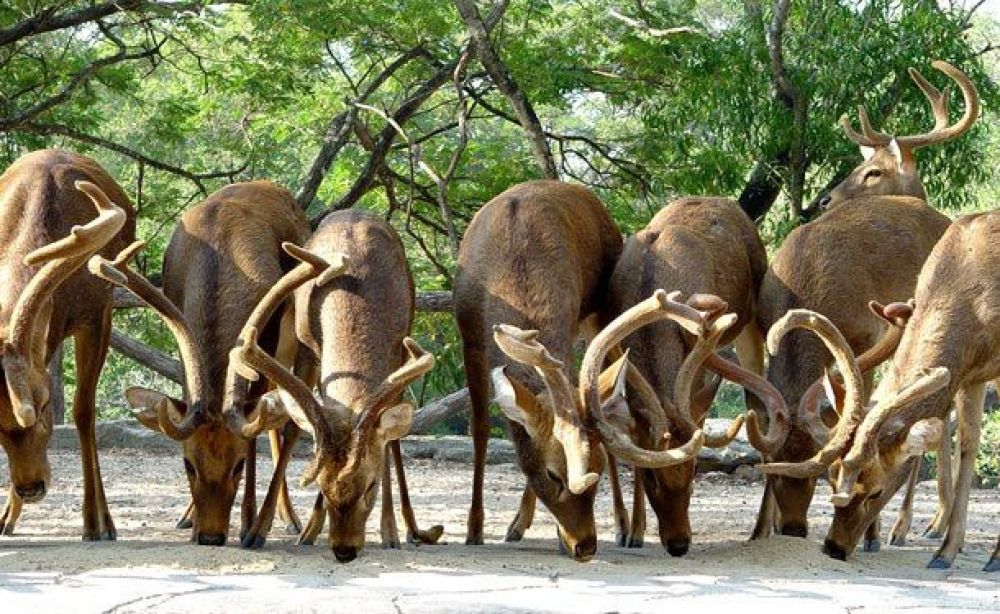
[317, 518]
[872, 541]
[524, 517]
[248, 510]
[622, 528]
[475, 368]
[414, 535]
[390, 534]
[286, 511]
[261, 526]
[91, 350]
[287, 353]
[905, 518]
[994, 562]
[187, 518]
[767, 515]
[970, 419]
[637, 532]
[11, 512]
[945, 486]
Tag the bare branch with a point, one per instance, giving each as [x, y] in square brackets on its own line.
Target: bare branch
[654, 32]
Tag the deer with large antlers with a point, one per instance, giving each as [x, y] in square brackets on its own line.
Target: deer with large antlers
[948, 350]
[354, 304]
[698, 246]
[533, 266]
[223, 257]
[870, 245]
[47, 201]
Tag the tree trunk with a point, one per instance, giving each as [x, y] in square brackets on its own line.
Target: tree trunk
[57, 400]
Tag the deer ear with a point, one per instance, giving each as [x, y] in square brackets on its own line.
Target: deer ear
[145, 404]
[867, 152]
[611, 382]
[896, 152]
[519, 405]
[395, 422]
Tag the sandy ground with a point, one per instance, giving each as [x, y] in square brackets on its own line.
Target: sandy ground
[153, 567]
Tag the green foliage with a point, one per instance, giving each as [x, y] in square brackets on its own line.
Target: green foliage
[988, 458]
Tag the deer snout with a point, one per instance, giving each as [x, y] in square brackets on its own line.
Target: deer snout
[345, 554]
[834, 551]
[31, 493]
[211, 539]
[585, 549]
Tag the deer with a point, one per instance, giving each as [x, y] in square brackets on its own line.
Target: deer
[869, 245]
[698, 246]
[48, 200]
[222, 258]
[354, 302]
[948, 351]
[532, 274]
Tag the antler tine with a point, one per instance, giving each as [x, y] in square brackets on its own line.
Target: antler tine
[248, 358]
[703, 348]
[942, 131]
[865, 446]
[853, 401]
[524, 347]
[937, 98]
[417, 364]
[777, 409]
[876, 136]
[860, 139]
[117, 272]
[657, 307]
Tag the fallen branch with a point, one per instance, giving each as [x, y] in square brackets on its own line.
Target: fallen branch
[147, 356]
[442, 409]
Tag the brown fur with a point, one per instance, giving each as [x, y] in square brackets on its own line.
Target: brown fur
[537, 256]
[39, 204]
[863, 249]
[695, 245]
[956, 324]
[225, 254]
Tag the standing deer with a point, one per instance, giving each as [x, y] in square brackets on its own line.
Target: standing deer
[533, 265]
[695, 245]
[869, 245]
[948, 350]
[222, 259]
[47, 202]
[354, 305]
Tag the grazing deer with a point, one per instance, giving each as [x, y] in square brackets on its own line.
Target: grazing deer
[869, 245]
[695, 245]
[354, 305]
[533, 265]
[948, 350]
[222, 259]
[47, 202]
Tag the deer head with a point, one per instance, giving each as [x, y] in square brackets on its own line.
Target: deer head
[350, 442]
[214, 457]
[850, 448]
[25, 416]
[567, 430]
[890, 166]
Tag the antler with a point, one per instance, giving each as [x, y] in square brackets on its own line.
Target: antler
[777, 410]
[657, 307]
[59, 260]
[417, 364]
[195, 378]
[896, 315]
[247, 359]
[853, 402]
[567, 427]
[865, 446]
[938, 100]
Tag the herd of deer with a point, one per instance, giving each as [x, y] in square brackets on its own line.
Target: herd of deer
[540, 265]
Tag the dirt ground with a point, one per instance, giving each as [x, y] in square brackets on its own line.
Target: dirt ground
[152, 566]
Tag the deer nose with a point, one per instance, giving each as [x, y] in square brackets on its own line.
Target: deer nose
[32, 492]
[585, 549]
[832, 550]
[795, 530]
[212, 539]
[345, 554]
[678, 547]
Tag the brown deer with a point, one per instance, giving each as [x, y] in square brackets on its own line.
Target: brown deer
[948, 350]
[47, 202]
[353, 319]
[223, 257]
[695, 245]
[869, 245]
[533, 266]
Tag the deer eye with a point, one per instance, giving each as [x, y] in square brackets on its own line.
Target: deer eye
[189, 468]
[872, 173]
[555, 478]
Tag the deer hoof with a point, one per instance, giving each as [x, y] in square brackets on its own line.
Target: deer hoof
[427, 537]
[939, 562]
[635, 541]
[897, 540]
[993, 565]
[872, 545]
[185, 523]
[253, 541]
